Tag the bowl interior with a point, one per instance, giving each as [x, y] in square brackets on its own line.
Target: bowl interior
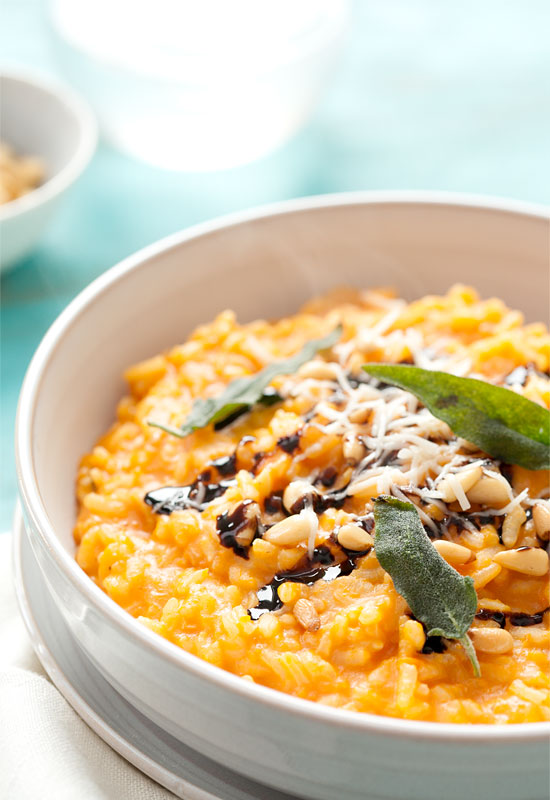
[261, 267]
[38, 122]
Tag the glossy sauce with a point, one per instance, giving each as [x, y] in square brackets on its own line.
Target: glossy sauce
[322, 567]
[517, 618]
[289, 443]
[230, 525]
[167, 499]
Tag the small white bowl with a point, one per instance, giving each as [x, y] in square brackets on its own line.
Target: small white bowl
[266, 263]
[54, 124]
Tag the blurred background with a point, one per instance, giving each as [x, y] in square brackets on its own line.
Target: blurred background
[210, 107]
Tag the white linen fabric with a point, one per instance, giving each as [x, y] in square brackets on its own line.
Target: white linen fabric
[46, 750]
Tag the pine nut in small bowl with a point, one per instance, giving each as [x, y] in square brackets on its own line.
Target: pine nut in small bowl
[48, 136]
[361, 617]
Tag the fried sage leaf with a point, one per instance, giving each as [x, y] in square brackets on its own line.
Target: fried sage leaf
[242, 393]
[438, 596]
[504, 424]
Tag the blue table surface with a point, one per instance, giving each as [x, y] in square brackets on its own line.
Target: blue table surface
[427, 95]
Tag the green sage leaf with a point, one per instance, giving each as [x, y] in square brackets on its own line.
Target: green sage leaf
[241, 394]
[504, 424]
[438, 596]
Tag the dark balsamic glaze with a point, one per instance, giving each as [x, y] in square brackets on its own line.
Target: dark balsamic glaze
[321, 567]
[167, 499]
[479, 520]
[526, 620]
[273, 504]
[433, 644]
[367, 523]
[517, 618]
[430, 533]
[327, 477]
[289, 443]
[226, 465]
[230, 525]
[506, 470]
[496, 616]
[458, 520]
[321, 502]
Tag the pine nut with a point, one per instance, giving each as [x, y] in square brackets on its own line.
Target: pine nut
[527, 560]
[511, 525]
[491, 491]
[319, 370]
[353, 537]
[454, 554]
[491, 640]
[306, 614]
[290, 531]
[352, 448]
[451, 485]
[297, 495]
[359, 415]
[541, 518]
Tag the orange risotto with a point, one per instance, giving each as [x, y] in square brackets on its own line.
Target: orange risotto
[251, 546]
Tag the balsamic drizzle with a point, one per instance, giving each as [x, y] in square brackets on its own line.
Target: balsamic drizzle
[327, 477]
[321, 567]
[321, 502]
[289, 443]
[167, 499]
[230, 525]
[526, 620]
[516, 618]
[497, 616]
[274, 503]
[433, 644]
[478, 519]
[226, 465]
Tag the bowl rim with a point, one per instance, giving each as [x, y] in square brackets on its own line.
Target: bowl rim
[79, 158]
[36, 512]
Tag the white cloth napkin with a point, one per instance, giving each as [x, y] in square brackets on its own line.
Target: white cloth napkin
[46, 750]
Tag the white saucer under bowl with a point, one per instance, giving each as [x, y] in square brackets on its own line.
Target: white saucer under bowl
[179, 768]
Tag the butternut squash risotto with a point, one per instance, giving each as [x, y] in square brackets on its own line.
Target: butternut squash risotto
[249, 542]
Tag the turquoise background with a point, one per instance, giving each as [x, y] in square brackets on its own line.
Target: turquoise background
[429, 94]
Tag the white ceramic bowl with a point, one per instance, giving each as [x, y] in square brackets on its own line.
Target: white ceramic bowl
[266, 263]
[51, 122]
